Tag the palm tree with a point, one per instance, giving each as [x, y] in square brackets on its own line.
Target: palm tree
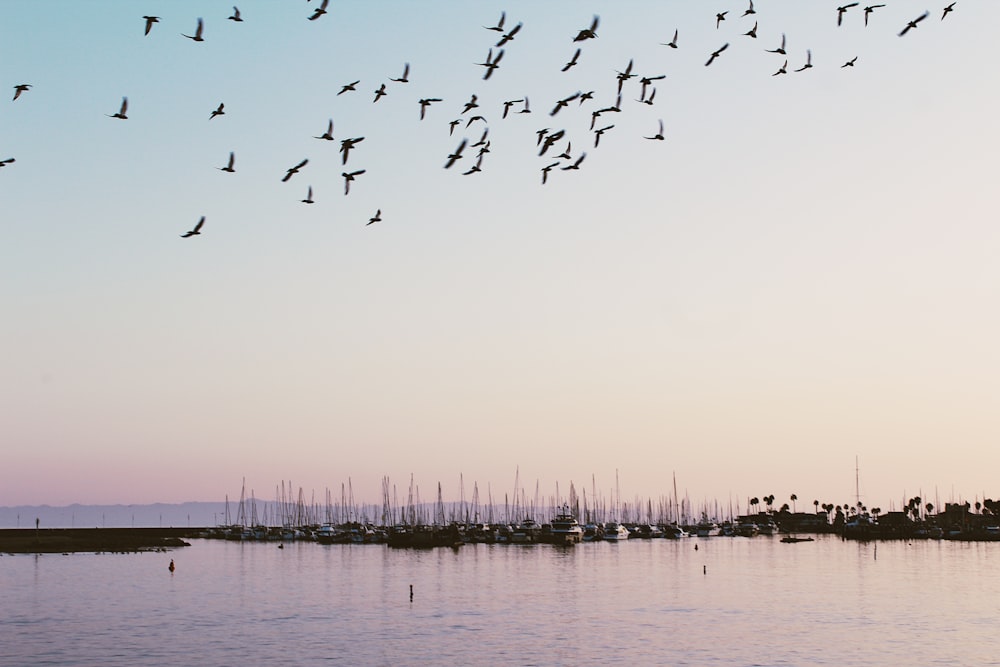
[929, 507]
[793, 498]
[754, 502]
[816, 505]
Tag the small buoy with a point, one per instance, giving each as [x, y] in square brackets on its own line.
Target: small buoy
[696, 547]
[704, 569]
[281, 546]
[411, 592]
[171, 566]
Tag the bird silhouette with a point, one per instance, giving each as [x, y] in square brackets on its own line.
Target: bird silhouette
[470, 105]
[346, 145]
[780, 49]
[4, 163]
[121, 112]
[426, 102]
[474, 119]
[376, 218]
[659, 135]
[563, 102]
[809, 61]
[309, 197]
[197, 33]
[196, 230]
[236, 15]
[572, 61]
[508, 104]
[588, 33]
[499, 26]
[509, 36]
[380, 93]
[546, 170]
[719, 18]
[868, 10]
[716, 53]
[452, 124]
[575, 165]
[913, 24]
[843, 10]
[294, 170]
[672, 43]
[328, 135]
[229, 167]
[491, 63]
[476, 168]
[20, 88]
[750, 9]
[783, 70]
[527, 107]
[850, 63]
[457, 155]
[947, 10]
[348, 87]
[349, 177]
[600, 133]
[406, 75]
[319, 10]
[218, 112]
[549, 140]
[752, 32]
[150, 20]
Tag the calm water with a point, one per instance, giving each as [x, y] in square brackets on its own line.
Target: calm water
[643, 602]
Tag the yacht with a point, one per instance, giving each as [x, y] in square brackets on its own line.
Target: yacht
[565, 529]
[615, 531]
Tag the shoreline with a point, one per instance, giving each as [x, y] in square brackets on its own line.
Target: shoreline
[98, 540]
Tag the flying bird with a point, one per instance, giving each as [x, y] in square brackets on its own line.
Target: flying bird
[4, 163]
[780, 49]
[598, 134]
[20, 88]
[426, 102]
[319, 10]
[328, 135]
[572, 61]
[588, 33]
[659, 135]
[527, 108]
[196, 230]
[457, 155]
[482, 140]
[406, 75]
[309, 197]
[294, 170]
[716, 53]
[672, 43]
[474, 119]
[150, 20]
[849, 63]
[842, 10]
[546, 170]
[869, 9]
[236, 15]
[783, 70]
[947, 10]
[348, 177]
[471, 104]
[647, 100]
[380, 93]
[575, 165]
[719, 18]
[753, 31]
[452, 124]
[499, 26]
[218, 112]
[809, 61]
[477, 167]
[347, 144]
[376, 218]
[197, 33]
[229, 167]
[490, 63]
[121, 112]
[508, 104]
[750, 10]
[348, 87]
[566, 154]
[564, 102]
[913, 24]
[509, 36]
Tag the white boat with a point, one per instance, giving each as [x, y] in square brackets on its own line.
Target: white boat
[674, 532]
[707, 529]
[615, 532]
[565, 529]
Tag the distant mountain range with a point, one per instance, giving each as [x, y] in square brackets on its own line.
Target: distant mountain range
[157, 515]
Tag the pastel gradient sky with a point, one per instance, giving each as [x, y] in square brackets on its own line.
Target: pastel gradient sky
[804, 272]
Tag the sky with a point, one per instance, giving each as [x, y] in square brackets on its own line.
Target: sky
[801, 278]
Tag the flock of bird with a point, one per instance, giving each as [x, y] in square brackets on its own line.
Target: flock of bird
[546, 138]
